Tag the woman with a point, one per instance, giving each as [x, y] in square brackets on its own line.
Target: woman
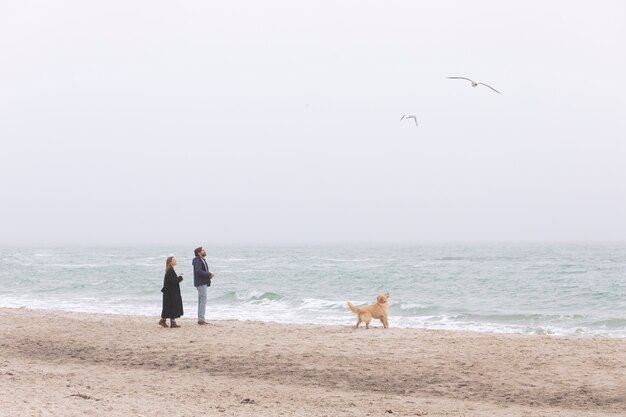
[172, 301]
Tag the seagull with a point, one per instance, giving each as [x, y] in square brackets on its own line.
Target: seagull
[474, 83]
[409, 116]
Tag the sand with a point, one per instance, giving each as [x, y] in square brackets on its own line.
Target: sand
[72, 364]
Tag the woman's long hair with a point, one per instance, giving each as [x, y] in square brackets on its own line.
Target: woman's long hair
[168, 263]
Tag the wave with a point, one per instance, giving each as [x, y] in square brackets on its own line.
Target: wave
[513, 318]
[320, 304]
[249, 297]
[410, 307]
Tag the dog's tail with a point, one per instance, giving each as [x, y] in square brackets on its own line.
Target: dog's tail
[354, 308]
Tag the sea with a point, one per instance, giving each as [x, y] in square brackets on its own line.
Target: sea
[543, 289]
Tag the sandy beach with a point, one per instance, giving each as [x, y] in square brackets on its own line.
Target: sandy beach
[68, 364]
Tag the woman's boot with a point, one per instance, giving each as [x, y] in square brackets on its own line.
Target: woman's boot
[162, 323]
[173, 323]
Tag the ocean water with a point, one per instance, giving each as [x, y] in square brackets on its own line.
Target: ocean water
[564, 289]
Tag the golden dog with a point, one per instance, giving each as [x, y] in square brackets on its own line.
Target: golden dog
[372, 311]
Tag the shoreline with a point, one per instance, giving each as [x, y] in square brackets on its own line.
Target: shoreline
[349, 322]
[106, 363]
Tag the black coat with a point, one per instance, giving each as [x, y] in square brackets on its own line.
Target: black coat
[172, 300]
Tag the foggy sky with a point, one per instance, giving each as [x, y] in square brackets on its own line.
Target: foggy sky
[136, 122]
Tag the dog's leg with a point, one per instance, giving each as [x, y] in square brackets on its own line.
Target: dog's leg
[358, 321]
[367, 324]
[385, 322]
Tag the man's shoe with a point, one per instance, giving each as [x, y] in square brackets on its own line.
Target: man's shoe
[162, 323]
[202, 322]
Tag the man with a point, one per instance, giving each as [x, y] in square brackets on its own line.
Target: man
[201, 280]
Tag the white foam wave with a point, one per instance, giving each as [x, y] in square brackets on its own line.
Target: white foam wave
[411, 306]
[319, 304]
[312, 311]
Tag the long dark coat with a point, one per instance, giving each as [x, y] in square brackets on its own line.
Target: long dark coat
[172, 300]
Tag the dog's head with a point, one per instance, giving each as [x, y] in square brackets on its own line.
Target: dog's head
[382, 298]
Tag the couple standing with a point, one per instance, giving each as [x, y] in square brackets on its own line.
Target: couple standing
[172, 300]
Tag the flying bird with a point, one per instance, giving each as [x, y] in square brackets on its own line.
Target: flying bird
[409, 116]
[474, 83]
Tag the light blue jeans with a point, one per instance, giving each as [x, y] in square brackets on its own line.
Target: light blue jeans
[202, 289]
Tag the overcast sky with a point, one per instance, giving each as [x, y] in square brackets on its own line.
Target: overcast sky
[134, 122]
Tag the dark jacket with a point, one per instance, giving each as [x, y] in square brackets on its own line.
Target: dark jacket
[201, 274]
[172, 300]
